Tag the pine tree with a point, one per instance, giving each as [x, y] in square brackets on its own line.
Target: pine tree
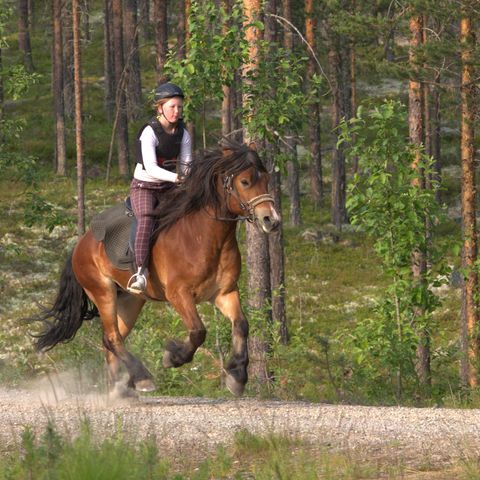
[78, 119]
[60, 162]
[470, 338]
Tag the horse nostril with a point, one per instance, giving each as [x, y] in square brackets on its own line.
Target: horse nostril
[269, 223]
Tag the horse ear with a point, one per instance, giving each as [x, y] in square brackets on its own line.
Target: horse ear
[253, 146]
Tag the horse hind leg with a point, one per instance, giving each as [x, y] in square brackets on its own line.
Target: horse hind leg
[118, 315]
[128, 310]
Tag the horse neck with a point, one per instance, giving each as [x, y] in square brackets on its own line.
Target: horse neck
[218, 224]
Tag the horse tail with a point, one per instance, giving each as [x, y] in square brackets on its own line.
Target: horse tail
[64, 318]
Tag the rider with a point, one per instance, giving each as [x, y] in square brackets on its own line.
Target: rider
[164, 150]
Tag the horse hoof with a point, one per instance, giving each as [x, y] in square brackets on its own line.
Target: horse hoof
[167, 360]
[122, 391]
[145, 386]
[234, 386]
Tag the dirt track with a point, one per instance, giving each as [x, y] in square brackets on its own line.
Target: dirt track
[416, 435]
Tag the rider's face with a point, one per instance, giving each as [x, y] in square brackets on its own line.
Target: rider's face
[172, 109]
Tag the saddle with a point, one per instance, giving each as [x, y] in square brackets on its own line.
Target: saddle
[116, 228]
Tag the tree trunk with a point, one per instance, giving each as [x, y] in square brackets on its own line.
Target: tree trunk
[469, 366]
[68, 88]
[120, 100]
[57, 86]
[85, 15]
[108, 61]
[133, 80]
[292, 165]
[161, 38]
[338, 208]
[426, 98]
[236, 106]
[2, 95]
[259, 288]
[78, 119]
[316, 174]
[415, 123]
[191, 124]
[277, 264]
[181, 33]
[226, 113]
[31, 15]
[353, 100]
[275, 239]
[144, 13]
[24, 35]
[436, 144]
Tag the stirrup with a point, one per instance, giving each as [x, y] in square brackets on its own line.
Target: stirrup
[137, 283]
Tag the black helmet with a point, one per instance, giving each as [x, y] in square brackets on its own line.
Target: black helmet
[167, 90]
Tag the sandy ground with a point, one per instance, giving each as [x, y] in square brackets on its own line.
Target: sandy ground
[181, 424]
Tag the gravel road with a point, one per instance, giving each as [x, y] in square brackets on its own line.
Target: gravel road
[180, 424]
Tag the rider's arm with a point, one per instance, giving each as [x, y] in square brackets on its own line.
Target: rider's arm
[149, 141]
[185, 156]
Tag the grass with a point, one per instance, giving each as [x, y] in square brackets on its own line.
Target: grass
[260, 457]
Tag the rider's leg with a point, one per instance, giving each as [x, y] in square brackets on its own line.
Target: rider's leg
[143, 203]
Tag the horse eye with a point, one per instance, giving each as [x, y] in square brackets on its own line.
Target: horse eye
[244, 182]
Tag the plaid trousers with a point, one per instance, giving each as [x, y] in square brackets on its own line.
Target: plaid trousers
[144, 198]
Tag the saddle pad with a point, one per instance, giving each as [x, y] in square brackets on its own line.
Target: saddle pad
[112, 227]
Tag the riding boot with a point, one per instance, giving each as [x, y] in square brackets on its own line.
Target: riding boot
[138, 281]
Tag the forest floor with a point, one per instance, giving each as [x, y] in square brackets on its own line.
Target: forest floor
[427, 442]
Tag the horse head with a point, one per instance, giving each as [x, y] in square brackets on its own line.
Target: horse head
[246, 193]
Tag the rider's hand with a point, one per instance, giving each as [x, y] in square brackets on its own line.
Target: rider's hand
[180, 180]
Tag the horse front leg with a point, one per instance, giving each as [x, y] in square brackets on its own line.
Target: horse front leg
[237, 376]
[177, 352]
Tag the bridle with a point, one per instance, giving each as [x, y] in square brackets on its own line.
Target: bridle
[249, 206]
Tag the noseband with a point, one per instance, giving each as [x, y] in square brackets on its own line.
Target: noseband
[249, 206]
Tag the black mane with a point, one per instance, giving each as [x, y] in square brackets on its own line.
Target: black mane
[200, 187]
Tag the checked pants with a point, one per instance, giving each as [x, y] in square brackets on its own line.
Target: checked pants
[144, 198]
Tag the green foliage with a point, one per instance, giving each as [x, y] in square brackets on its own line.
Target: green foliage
[54, 457]
[263, 457]
[274, 99]
[18, 81]
[215, 51]
[37, 210]
[22, 167]
[386, 200]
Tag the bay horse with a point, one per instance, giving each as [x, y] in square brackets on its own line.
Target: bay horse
[194, 258]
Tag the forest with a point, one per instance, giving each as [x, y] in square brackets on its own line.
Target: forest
[364, 113]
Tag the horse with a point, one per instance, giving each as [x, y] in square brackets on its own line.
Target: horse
[194, 258]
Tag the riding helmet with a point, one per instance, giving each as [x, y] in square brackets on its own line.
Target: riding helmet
[168, 90]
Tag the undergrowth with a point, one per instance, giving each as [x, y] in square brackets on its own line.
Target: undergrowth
[333, 278]
[331, 285]
[50, 455]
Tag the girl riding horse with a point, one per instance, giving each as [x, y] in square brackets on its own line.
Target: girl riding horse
[195, 258]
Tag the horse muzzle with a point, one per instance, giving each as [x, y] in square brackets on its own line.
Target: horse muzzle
[267, 218]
